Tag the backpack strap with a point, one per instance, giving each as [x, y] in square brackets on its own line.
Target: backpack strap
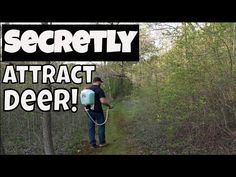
[87, 87]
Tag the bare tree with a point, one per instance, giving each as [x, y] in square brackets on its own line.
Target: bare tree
[234, 43]
[1, 146]
[47, 134]
[46, 125]
[47, 129]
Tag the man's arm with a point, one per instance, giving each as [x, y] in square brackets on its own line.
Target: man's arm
[104, 101]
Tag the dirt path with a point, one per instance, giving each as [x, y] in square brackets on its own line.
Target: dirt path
[116, 134]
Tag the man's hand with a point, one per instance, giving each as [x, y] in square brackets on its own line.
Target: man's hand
[105, 102]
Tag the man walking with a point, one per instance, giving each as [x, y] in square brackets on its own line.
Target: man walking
[97, 114]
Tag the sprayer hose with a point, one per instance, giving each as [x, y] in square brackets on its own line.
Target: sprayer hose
[107, 111]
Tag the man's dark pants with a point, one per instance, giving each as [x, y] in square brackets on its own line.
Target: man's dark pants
[99, 118]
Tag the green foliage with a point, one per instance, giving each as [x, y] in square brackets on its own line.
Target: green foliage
[116, 83]
[189, 92]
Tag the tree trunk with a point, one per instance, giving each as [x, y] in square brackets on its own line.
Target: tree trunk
[185, 41]
[234, 44]
[47, 130]
[1, 146]
[232, 57]
[122, 75]
[47, 134]
[46, 124]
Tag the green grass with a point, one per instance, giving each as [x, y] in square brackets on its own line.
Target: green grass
[115, 133]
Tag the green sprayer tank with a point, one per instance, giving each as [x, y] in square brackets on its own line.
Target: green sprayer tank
[87, 97]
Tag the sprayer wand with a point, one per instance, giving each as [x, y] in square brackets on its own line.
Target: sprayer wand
[107, 112]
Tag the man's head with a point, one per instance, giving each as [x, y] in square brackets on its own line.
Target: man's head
[97, 81]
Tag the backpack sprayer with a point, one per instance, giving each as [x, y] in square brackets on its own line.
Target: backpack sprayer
[87, 98]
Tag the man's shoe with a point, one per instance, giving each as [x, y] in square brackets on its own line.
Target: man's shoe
[102, 145]
[94, 147]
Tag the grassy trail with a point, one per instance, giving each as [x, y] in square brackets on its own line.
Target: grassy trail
[116, 134]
